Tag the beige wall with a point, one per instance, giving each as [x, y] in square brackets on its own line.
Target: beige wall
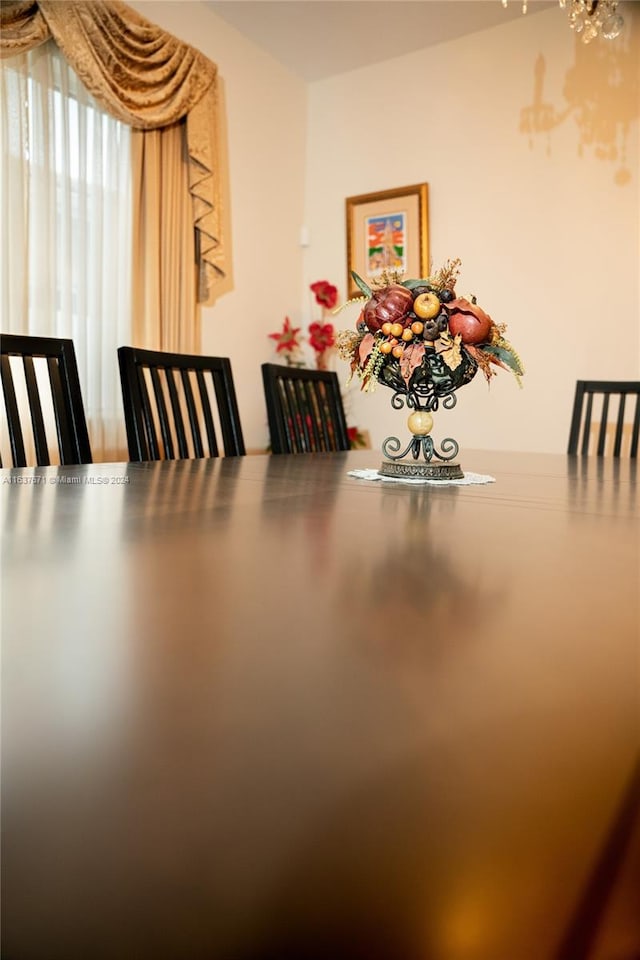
[547, 230]
[548, 236]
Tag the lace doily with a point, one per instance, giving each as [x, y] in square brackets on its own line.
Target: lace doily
[467, 480]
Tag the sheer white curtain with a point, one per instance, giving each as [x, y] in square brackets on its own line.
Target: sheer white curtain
[65, 195]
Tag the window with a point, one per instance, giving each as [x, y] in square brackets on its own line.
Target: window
[65, 191]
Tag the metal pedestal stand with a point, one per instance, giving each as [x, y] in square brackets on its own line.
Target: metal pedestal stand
[420, 424]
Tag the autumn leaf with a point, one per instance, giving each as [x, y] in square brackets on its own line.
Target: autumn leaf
[411, 358]
[503, 350]
[452, 353]
[482, 359]
[365, 348]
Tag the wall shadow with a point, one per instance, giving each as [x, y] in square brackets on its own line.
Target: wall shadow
[592, 100]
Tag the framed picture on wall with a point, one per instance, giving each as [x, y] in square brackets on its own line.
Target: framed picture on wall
[388, 230]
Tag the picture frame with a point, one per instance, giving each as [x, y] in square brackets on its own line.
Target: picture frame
[387, 230]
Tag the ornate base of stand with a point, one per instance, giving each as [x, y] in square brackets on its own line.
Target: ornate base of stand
[420, 423]
[411, 470]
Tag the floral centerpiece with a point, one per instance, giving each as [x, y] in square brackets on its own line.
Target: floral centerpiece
[422, 340]
[322, 335]
[322, 340]
[288, 343]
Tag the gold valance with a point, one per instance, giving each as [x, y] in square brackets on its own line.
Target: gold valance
[144, 77]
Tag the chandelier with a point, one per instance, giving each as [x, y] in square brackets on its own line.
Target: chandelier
[590, 18]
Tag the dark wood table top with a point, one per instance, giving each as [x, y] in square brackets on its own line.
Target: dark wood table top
[257, 708]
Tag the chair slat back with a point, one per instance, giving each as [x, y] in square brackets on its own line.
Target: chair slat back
[194, 424]
[206, 409]
[585, 412]
[65, 397]
[16, 438]
[176, 412]
[166, 417]
[304, 410]
[35, 409]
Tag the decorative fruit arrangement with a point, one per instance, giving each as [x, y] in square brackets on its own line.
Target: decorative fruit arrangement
[419, 335]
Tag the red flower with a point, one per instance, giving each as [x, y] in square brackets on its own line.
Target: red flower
[287, 339]
[326, 294]
[322, 336]
[357, 440]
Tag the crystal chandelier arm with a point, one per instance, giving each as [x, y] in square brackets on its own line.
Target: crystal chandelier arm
[590, 18]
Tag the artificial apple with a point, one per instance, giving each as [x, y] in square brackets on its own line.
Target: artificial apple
[426, 306]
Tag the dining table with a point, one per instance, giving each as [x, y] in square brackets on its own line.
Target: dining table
[261, 708]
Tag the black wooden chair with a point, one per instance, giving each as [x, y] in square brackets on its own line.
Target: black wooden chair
[584, 414]
[26, 420]
[304, 410]
[163, 392]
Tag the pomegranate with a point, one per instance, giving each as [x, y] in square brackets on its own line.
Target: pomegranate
[391, 304]
[470, 321]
